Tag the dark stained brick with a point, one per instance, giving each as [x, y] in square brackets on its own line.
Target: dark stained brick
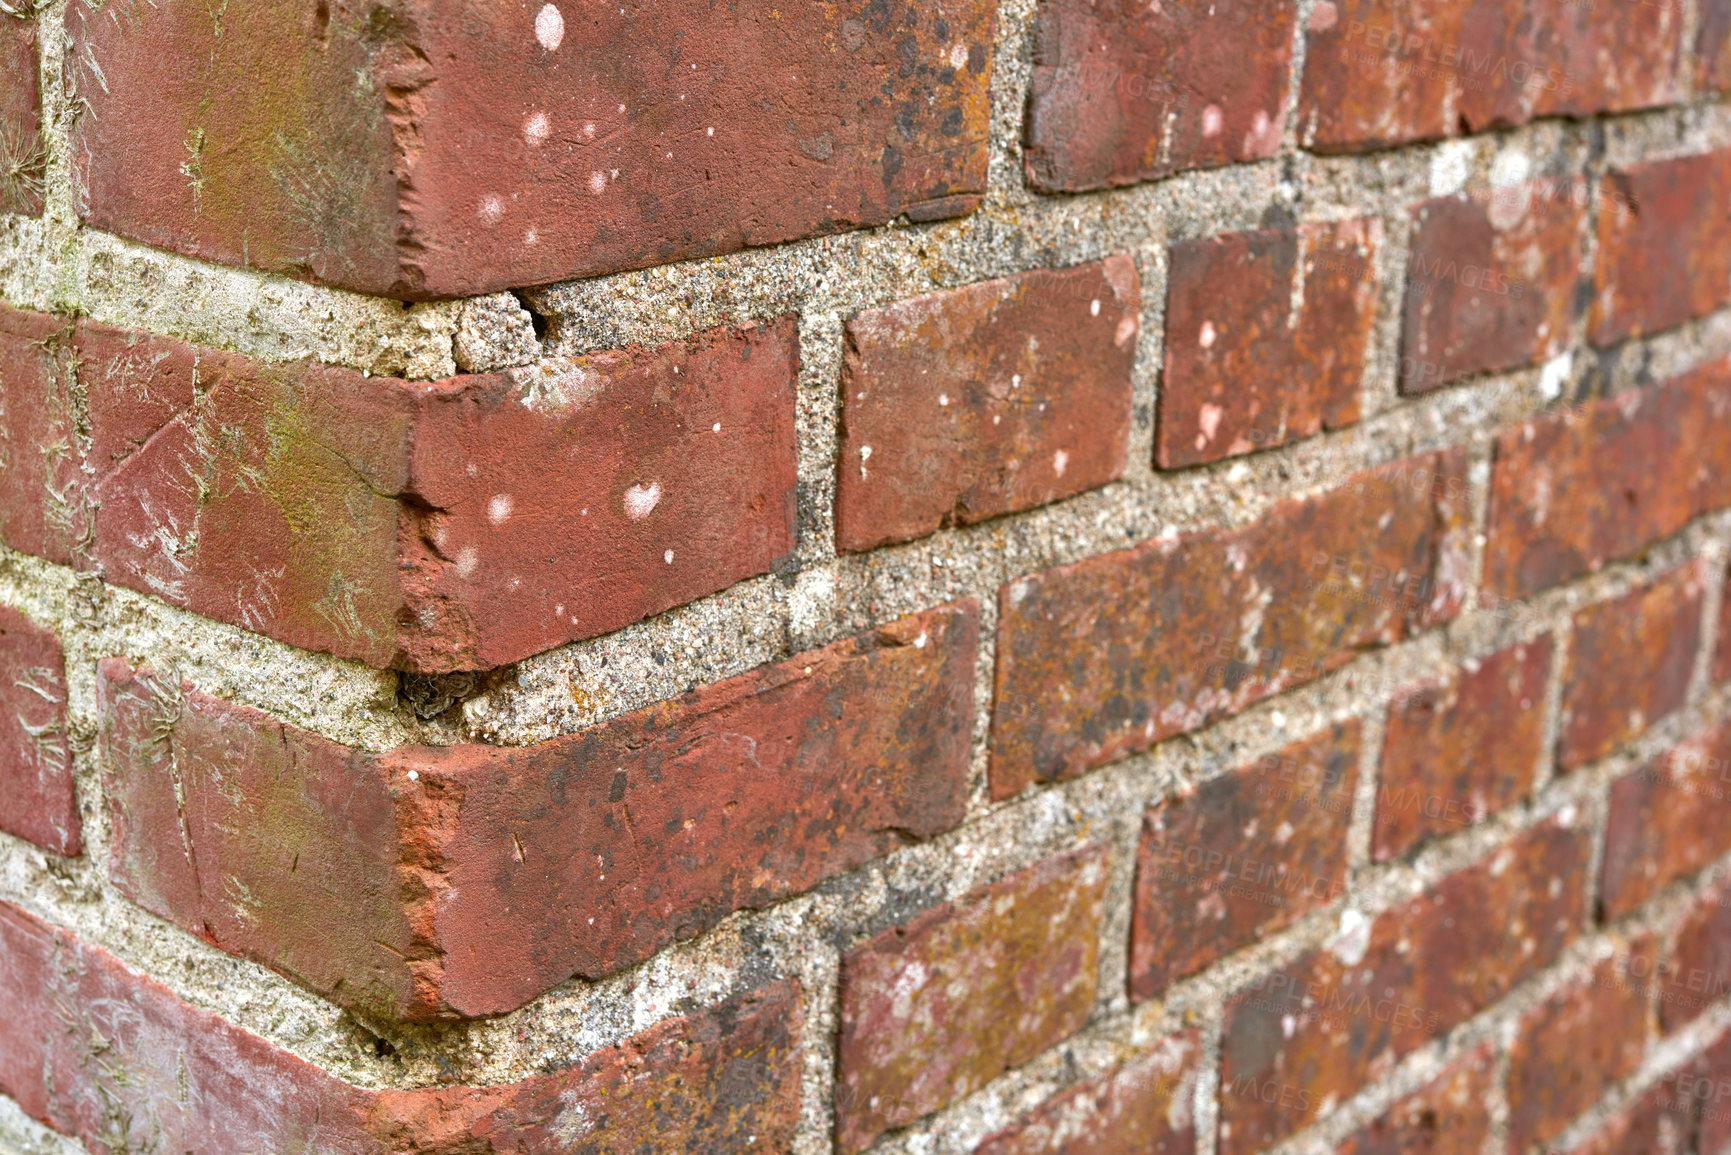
[1664, 245]
[1002, 396]
[1713, 46]
[1696, 973]
[1266, 335]
[1666, 820]
[37, 800]
[1683, 1113]
[23, 156]
[1448, 1116]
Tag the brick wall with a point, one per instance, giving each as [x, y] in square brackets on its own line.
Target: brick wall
[1065, 576]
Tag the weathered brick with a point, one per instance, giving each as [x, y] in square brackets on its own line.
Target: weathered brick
[423, 150]
[1664, 252]
[1107, 656]
[1002, 396]
[1573, 1047]
[1316, 1031]
[1492, 281]
[460, 524]
[1649, 637]
[1386, 72]
[1125, 92]
[1713, 46]
[1462, 748]
[1696, 972]
[23, 157]
[37, 800]
[1266, 334]
[472, 878]
[1246, 854]
[1571, 491]
[935, 1009]
[1722, 647]
[1666, 820]
[108, 1056]
[1145, 1106]
[1681, 1114]
[1448, 1116]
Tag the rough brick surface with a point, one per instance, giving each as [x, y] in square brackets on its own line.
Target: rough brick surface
[1683, 1113]
[1124, 92]
[1491, 281]
[1697, 970]
[1385, 72]
[440, 151]
[1448, 1116]
[1143, 1107]
[1266, 334]
[469, 879]
[1316, 1031]
[1664, 244]
[23, 156]
[935, 1009]
[1461, 749]
[1573, 1047]
[1666, 820]
[1571, 491]
[1713, 47]
[1629, 665]
[1002, 396]
[37, 800]
[108, 1056]
[462, 524]
[1247, 853]
[1109, 655]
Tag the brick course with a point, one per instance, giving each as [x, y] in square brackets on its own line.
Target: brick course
[1664, 245]
[40, 802]
[23, 155]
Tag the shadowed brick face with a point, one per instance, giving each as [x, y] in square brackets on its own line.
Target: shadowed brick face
[1246, 854]
[1713, 46]
[1344, 1015]
[1664, 244]
[999, 397]
[1110, 655]
[36, 796]
[433, 150]
[23, 157]
[473, 878]
[1125, 92]
[1448, 1116]
[1667, 820]
[1697, 970]
[1266, 334]
[934, 1010]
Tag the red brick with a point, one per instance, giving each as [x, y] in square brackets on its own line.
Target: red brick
[106, 1055]
[1573, 1048]
[23, 158]
[1629, 665]
[1722, 651]
[1681, 1114]
[1696, 973]
[933, 1010]
[35, 758]
[1340, 1017]
[472, 878]
[1108, 656]
[1143, 1107]
[1492, 281]
[1713, 46]
[456, 151]
[1002, 396]
[1125, 92]
[461, 524]
[1448, 1116]
[1387, 72]
[1246, 367]
[1664, 245]
[1571, 491]
[1247, 853]
[1666, 820]
[1462, 748]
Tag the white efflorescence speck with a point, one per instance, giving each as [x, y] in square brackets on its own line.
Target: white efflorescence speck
[1060, 462]
[492, 209]
[1212, 120]
[597, 183]
[499, 508]
[549, 27]
[467, 559]
[958, 55]
[717, 427]
[668, 557]
[641, 500]
[1094, 307]
[1206, 340]
[537, 129]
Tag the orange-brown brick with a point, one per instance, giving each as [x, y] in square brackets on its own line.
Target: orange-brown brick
[1386, 72]
[935, 1009]
[1448, 1116]
[967, 404]
[37, 800]
[1246, 854]
[1321, 1028]
[1145, 1107]
[1110, 655]
[436, 150]
[472, 878]
[1664, 244]
[1696, 973]
[1666, 820]
[1491, 282]
[1571, 491]
[23, 154]
[1463, 748]
[1125, 92]
[1629, 665]
[1683, 1113]
[1266, 334]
